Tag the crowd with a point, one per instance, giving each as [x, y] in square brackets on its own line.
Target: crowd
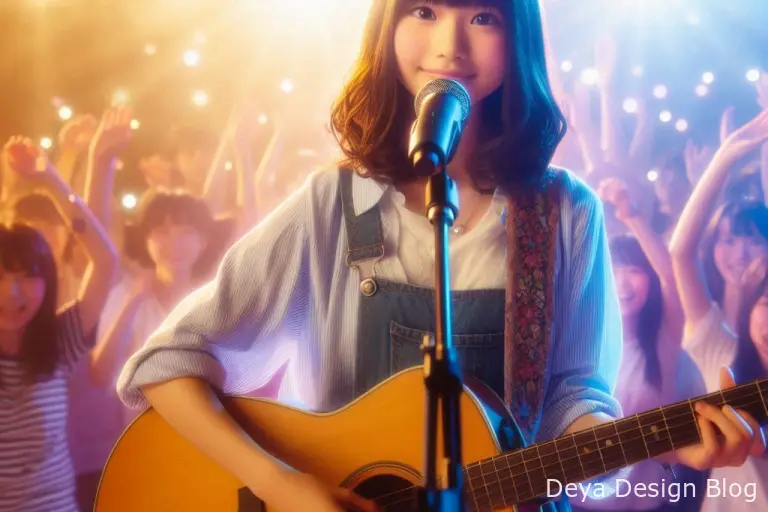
[83, 284]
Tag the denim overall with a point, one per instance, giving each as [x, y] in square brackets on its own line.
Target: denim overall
[395, 316]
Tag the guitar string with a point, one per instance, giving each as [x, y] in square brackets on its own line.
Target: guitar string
[688, 424]
[500, 481]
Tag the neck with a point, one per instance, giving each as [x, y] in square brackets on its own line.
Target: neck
[173, 283]
[458, 169]
[629, 326]
[10, 342]
[731, 300]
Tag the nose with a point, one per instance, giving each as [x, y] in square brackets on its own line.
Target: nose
[10, 287]
[450, 38]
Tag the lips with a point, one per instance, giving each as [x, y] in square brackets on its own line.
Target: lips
[452, 75]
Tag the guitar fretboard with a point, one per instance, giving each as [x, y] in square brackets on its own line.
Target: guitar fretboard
[521, 476]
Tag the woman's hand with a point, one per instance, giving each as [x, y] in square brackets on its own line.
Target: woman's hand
[741, 435]
[614, 191]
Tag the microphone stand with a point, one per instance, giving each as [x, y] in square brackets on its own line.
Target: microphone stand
[442, 372]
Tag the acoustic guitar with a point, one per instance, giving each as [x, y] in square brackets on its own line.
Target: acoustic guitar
[374, 445]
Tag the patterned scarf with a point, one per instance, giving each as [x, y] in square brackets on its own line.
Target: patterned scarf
[532, 226]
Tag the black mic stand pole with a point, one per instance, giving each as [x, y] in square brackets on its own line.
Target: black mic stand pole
[442, 372]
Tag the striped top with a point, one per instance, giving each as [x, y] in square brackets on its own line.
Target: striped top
[284, 292]
[36, 472]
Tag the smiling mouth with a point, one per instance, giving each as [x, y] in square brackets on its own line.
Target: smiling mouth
[453, 75]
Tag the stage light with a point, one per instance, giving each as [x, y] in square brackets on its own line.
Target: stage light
[286, 86]
[589, 76]
[681, 125]
[263, 119]
[665, 116]
[191, 58]
[129, 201]
[637, 70]
[200, 98]
[46, 143]
[120, 97]
[228, 166]
[135, 124]
[150, 49]
[652, 175]
[708, 77]
[753, 75]
[65, 113]
[702, 90]
[630, 105]
[660, 91]
[566, 66]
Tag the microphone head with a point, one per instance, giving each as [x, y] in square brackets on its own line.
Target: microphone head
[444, 85]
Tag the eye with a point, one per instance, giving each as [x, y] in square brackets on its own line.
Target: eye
[486, 18]
[423, 13]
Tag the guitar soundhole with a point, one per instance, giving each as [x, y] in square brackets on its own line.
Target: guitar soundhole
[390, 492]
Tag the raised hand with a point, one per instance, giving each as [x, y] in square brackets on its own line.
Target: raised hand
[606, 55]
[740, 435]
[696, 160]
[727, 124]
[614, 191]
[762, 91]
[113, 132]
[26, 159]
[746, 139]
[76, 134]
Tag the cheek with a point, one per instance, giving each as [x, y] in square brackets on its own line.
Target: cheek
[407, 48]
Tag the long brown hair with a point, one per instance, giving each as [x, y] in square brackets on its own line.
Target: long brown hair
[521, 123]
[24, 250]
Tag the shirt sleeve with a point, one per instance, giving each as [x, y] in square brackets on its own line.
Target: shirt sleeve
[226, 331]
[72, 343]
[711, 345]
[586, 335]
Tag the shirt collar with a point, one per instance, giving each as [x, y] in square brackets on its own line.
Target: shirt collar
[367, 193]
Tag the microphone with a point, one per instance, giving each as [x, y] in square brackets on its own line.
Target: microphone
[442, 109]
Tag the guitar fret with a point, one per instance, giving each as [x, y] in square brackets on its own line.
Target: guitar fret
[520, 476]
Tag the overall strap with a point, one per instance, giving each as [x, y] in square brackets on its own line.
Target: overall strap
[532, 228]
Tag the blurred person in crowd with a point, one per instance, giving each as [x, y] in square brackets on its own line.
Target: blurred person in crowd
[40, 343]
[173, 247]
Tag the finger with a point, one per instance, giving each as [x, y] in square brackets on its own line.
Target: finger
[356, 502]
[757, 448]
[737, 434]
[709, 445]
[746, 434]
[727, 379]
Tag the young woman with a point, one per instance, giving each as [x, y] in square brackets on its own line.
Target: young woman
[654, 369]
[737, 242]
[40, 345]
[175, 245]
[291, 277]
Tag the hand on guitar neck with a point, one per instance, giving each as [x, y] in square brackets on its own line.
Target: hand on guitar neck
[736, 427]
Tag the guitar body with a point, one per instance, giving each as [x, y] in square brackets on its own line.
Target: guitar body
[374, 445]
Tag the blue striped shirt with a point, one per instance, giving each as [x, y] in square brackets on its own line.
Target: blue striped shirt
[284, 293]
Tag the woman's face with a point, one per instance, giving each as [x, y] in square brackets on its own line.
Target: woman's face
[758, 326]
[20, 299]
[175, 247]
[632, 285]
[734, 254]
[467, 44]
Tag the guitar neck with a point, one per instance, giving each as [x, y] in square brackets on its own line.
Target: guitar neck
[521, 476]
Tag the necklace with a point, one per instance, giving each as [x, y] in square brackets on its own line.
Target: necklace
[459, 229]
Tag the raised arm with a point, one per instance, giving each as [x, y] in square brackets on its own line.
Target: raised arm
[30, 162]
[694, 296]
[111, 137]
